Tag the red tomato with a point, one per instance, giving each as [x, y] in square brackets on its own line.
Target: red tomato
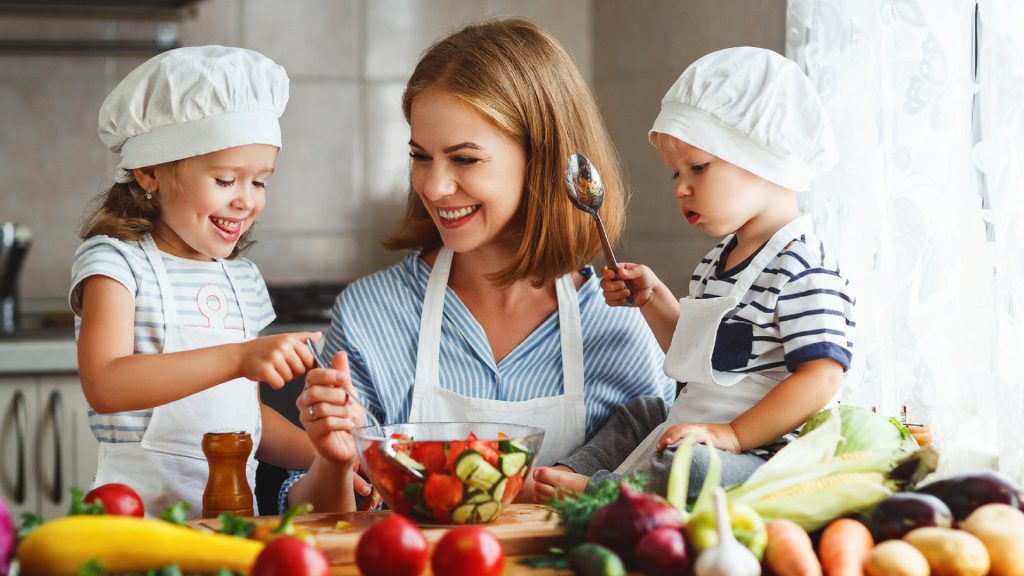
[454, 449]
[393, 546]
[430, 454]
[441, 493]
[512, 488]
[487, 449]
[117, 499]
[292, 556]
[468, 551]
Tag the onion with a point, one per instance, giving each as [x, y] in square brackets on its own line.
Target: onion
[620, 525]
[662, 552]
[7, 537]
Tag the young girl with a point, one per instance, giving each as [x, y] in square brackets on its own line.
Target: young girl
[167, 315]
[764, 337]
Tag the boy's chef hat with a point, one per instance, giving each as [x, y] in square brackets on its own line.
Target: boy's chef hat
[753, 108]
[192, 101]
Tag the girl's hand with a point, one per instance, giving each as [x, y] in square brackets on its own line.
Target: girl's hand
[277, 359]
[641, 284]
[722, 436]
[329, 414]
[556, 481]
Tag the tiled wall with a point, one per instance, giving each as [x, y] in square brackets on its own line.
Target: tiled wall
[341, 177]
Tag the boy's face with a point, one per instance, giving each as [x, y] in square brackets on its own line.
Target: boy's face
[714, 195]
[207, 202]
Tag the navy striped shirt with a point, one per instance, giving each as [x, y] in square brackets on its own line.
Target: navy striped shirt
[126, 263]
[799, 308]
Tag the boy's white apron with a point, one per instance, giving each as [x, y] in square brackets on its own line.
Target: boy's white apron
[562, 417]
[710, 395]
[168, 465]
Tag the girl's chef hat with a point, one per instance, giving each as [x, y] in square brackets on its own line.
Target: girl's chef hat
[753, 108]
[192, 101]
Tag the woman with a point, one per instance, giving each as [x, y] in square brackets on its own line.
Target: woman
[484, 320]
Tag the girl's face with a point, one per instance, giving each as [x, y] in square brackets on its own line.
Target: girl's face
[468, 174]
[207, 202]
[716, 196]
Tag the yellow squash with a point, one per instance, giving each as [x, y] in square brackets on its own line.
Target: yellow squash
[122, 544]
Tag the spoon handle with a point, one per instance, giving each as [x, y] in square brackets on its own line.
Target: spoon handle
[321, 364]
[609, 256]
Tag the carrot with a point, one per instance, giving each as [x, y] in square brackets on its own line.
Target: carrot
[844, 547]
[789, 551]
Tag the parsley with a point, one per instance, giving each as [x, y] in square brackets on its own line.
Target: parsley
[574, 512]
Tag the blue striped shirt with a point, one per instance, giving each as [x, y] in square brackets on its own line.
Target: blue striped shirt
[376, 321]
[126, 263]
[799, 308]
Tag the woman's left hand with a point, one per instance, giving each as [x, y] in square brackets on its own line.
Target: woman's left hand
[328, 413]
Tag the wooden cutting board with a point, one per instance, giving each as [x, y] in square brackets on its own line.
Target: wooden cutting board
[522, 529]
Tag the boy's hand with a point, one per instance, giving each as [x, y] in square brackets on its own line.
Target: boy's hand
[328, 414]
[722, 436]
[556, 481]
[641, 280]
[277, 359]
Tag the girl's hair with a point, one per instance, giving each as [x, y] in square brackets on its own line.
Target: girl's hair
[123, 212]
[520, 78]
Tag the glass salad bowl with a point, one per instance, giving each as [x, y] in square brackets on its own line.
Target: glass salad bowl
[448, 472]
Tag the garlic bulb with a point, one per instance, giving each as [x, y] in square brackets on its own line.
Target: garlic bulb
[728, 557]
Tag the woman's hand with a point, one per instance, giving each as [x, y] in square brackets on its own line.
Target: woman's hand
[642, 282]
[277, 359]
[555, 481]
[328, 413]
[722, 436]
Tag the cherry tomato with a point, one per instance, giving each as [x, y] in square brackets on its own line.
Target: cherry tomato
[468, 551]
[393, 546]
[117, 499]
[292, 556]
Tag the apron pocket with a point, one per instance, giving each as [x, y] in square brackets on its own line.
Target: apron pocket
[733, 346]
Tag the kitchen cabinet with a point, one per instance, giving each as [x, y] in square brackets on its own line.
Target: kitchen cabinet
[46, 445]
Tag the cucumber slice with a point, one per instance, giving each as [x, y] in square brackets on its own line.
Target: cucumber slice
[477, 497]
[499, 489]
[488, 511]
[413, 493]
[409, 462]
[471, 468]
[512, 463]
[512, 445]
[464, 514]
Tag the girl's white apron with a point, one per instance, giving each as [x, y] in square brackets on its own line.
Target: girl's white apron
[562, 417]
[168, 465]
[711, 395]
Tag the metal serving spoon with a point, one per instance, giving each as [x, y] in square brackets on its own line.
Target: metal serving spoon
[586, 191]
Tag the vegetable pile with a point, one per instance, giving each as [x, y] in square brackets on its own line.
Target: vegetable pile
[851, 495]
[462, 482]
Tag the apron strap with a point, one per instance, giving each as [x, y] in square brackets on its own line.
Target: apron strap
[241, 303]
[428, 348]
[166, 292]
[571, 333]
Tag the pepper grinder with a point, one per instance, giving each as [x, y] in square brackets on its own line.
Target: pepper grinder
[227, 488]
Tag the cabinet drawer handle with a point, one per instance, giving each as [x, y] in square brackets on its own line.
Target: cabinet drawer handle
[20, 417]
[57, 414]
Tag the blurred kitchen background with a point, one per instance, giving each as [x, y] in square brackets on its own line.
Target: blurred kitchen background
[341, 178]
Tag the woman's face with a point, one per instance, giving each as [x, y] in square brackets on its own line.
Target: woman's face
[207, 202]
[468, 174]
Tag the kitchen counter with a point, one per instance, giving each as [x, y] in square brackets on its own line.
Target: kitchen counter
[42, 351]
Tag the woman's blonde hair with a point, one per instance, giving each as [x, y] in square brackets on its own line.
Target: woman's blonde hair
[520, 78]
[124, 212]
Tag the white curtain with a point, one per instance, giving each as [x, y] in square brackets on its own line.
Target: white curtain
[926, 209]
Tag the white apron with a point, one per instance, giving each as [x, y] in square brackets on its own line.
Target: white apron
[711, 395]
[562, 417]
[168, 465]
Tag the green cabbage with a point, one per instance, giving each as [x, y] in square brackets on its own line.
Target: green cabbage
[863, 430]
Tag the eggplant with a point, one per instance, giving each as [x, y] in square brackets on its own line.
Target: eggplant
[965, 492]
[905, 511]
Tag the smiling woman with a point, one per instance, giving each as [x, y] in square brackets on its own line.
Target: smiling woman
[495, 315]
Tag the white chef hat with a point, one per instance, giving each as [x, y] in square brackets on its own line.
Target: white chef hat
[755, 109]
[191, 101]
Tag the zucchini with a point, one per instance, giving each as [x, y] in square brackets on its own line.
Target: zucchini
[512, 463]
[471, 468]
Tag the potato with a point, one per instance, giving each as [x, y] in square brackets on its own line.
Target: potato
[1000, 528]
[896, 558]
[950, 552]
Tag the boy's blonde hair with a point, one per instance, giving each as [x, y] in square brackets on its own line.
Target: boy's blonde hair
[124, 212]
[519, 78]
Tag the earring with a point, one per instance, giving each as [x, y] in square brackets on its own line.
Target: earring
[149, 194]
